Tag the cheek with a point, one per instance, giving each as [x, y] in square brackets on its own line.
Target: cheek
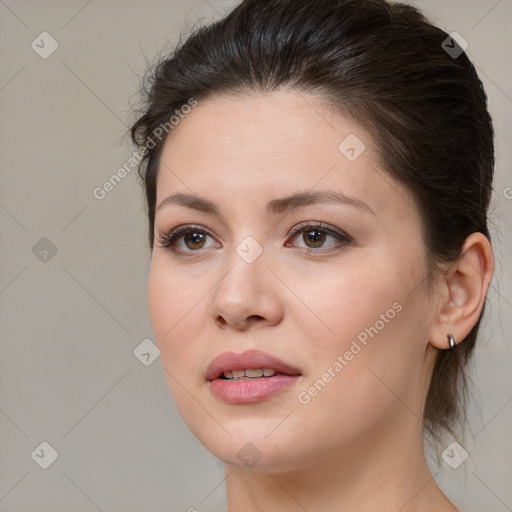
[346, 305]
[360, 313]
[162, 301]
[178, 308]
[369, 358]
[172, 295]
[173, 305]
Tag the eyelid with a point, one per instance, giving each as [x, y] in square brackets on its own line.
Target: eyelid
[321, 227]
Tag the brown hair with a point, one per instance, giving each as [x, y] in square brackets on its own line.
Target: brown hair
[385, 65]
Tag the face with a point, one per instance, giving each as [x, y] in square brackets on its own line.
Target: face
[325, 292]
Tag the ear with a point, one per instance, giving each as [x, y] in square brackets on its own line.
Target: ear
[463, 291]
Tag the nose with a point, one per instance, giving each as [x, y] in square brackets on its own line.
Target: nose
[247, 295]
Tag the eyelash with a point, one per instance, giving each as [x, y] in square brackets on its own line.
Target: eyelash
[168, 240]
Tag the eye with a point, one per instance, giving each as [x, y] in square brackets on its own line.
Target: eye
[315, 235]
[185, 239]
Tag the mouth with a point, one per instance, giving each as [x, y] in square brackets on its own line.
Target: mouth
[247, 374]
[249, 377]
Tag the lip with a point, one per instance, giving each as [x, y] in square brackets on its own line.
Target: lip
[249, 391]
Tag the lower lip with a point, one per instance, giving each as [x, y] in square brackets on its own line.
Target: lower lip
[250, 391]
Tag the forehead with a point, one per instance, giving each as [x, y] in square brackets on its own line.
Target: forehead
[282, 125]
[269, 145]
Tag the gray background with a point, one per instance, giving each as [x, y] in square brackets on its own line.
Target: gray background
[72, 320]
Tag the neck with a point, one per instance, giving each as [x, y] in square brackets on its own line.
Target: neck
[377, 472]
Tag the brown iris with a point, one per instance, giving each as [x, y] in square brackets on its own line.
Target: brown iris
[314, 236]
[197, 240]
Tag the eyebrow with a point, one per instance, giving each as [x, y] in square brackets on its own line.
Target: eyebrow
[275, 206]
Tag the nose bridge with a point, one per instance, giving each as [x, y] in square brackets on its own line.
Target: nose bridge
[245, 265]
[245, 289]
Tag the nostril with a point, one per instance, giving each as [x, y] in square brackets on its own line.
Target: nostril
[221, 321]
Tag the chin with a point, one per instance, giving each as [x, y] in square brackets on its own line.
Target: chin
[248, 444]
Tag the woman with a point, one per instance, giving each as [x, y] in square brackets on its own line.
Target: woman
[318, 177]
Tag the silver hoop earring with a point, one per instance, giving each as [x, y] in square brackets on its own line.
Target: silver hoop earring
[451, 340]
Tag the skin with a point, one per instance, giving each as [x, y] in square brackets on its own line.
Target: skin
[357, 444]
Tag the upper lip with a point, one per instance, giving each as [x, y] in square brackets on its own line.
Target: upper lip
[248, 360]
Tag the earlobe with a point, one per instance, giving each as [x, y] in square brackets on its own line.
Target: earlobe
[465, 289]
